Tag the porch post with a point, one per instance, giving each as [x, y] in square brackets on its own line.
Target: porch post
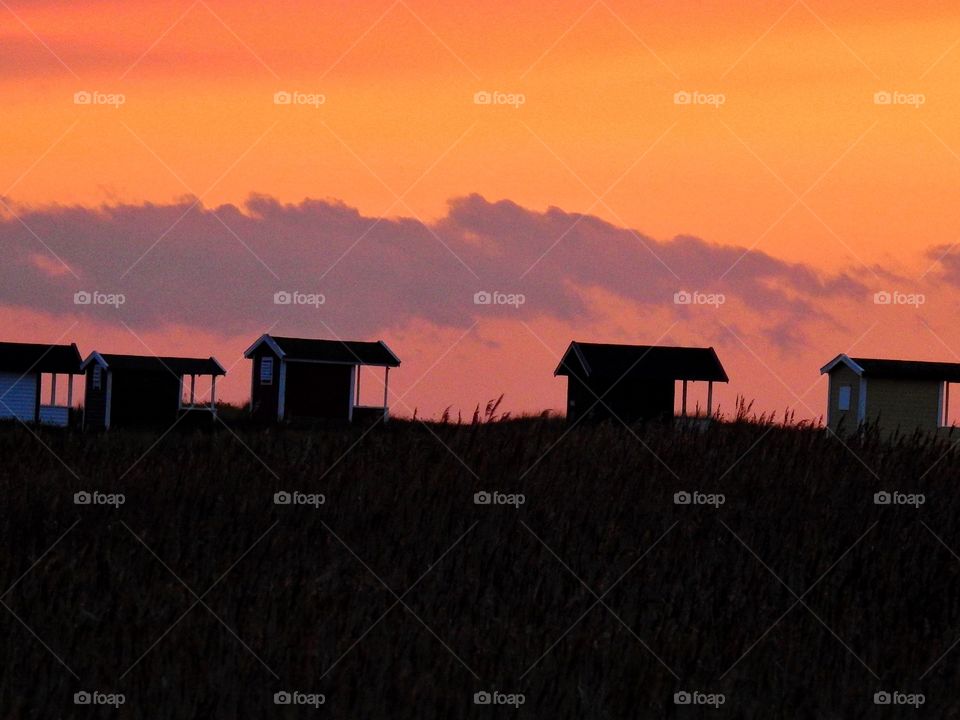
[683, 404]
[70, 390]
[357, 401]
[193, 385]
[109, 410]
[213, 395]
[352, 392]
[53, 388]
[282, 391]
[710, 398]
[386, 381]
[946, 404]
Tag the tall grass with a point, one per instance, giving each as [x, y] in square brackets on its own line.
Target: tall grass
[715, 601]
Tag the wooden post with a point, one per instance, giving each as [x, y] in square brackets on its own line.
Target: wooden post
[683, 404]
[53, 388]
[282, 391]
[193, 386]
[213, 395]
[70, 390]
[946, 404]
[357, 401]
[386, 381]
[710, 399]
[109, 410]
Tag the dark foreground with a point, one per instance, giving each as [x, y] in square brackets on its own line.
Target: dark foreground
[399, 597]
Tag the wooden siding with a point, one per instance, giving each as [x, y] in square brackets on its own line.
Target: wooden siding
[144, 398]
[19, 396]
[94, 401]
[264, 398]
[904, 405]
[844, 420]
[629, 399]
[579, 399]
[55, 415]
[318, 390]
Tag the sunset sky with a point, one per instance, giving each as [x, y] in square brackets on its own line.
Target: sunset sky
[816, 165]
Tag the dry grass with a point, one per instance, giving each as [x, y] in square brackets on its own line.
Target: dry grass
[501, 599]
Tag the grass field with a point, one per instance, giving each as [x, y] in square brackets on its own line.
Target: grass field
[399, 596]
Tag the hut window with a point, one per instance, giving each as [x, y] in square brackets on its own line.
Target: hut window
[96, 377]
[844, 403]
[266, 371]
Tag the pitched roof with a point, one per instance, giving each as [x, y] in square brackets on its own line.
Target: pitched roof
[37, 357]
[652, 362]
[151, 363]
[346, 352]
[897, 369]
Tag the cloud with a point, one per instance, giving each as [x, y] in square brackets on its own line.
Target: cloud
[218, 268]
[947, 262]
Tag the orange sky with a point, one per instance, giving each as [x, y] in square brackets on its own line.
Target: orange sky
[799, 161]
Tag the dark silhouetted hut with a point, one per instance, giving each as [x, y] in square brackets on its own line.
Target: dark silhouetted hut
[634, 382]
[143, 390]
[301, 378]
